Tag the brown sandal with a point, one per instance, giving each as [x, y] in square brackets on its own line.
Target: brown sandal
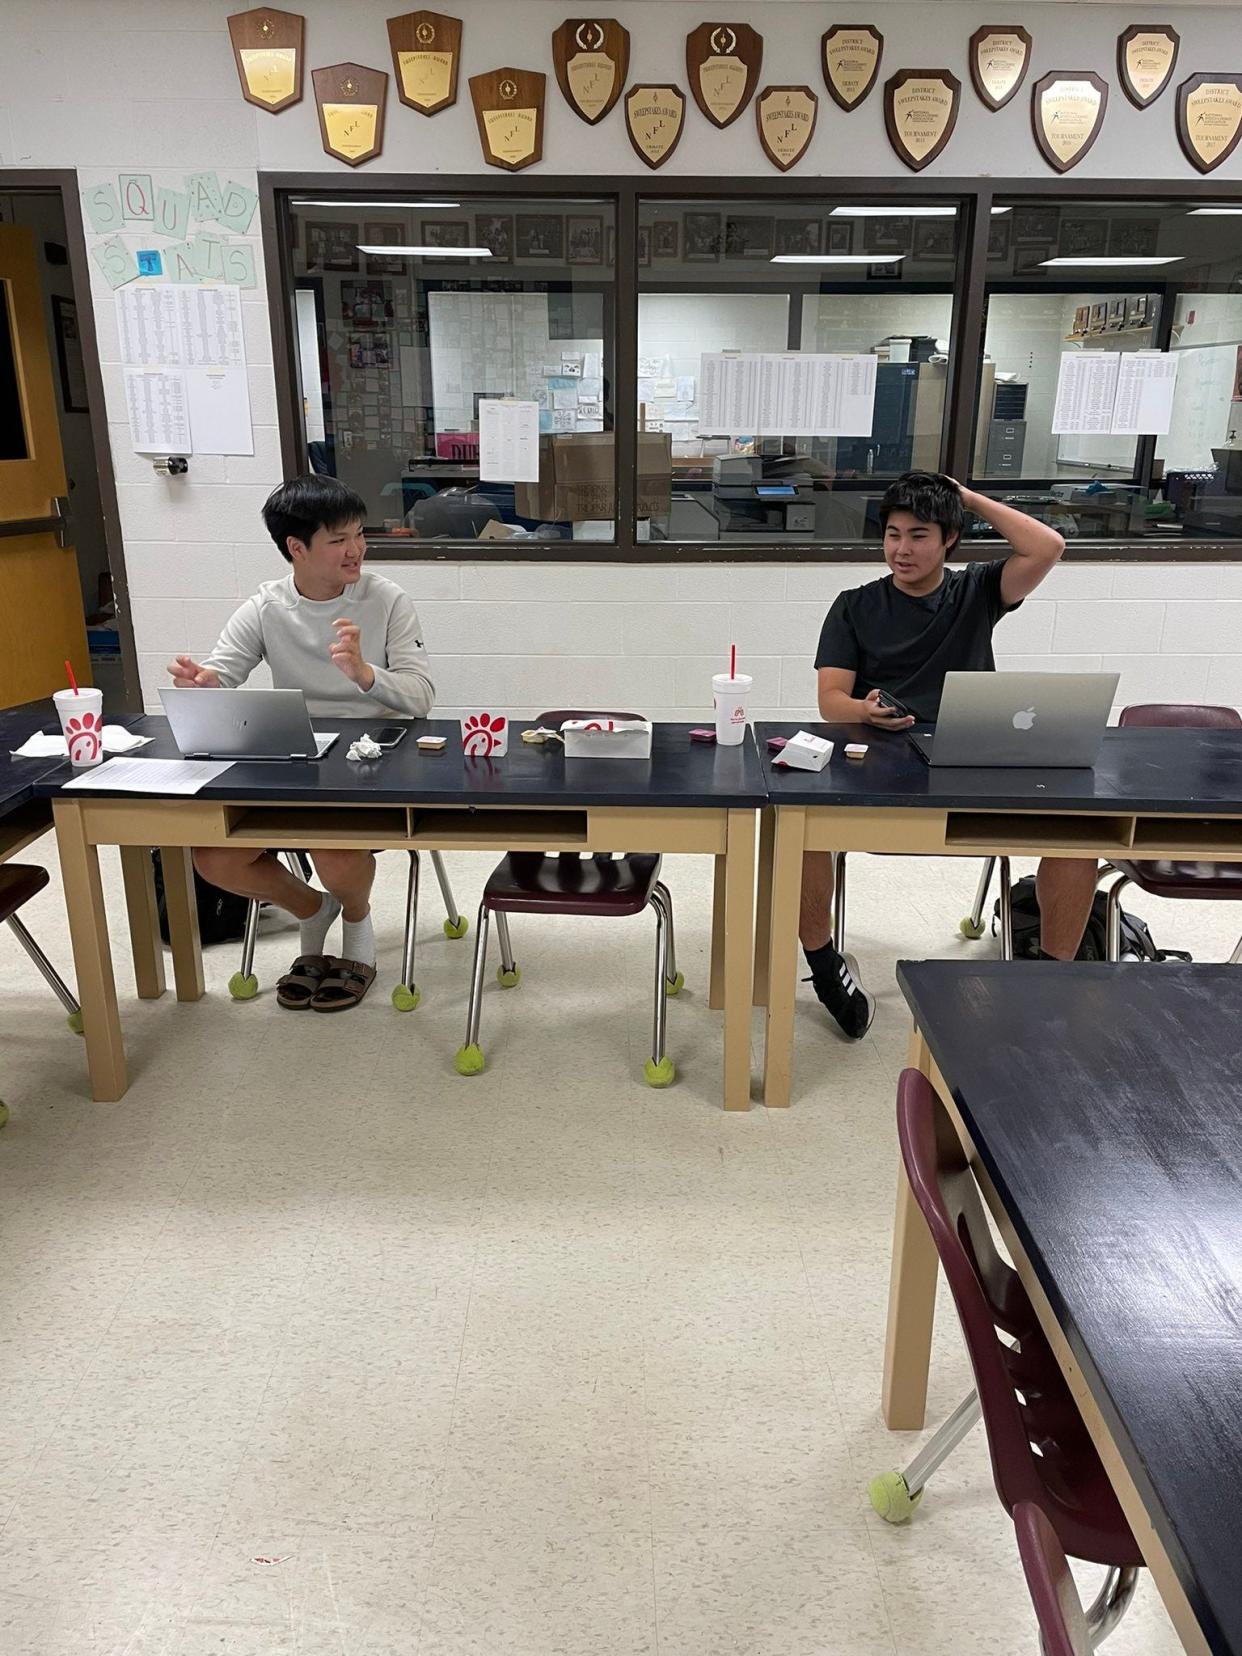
[297, 989]
[344, 986]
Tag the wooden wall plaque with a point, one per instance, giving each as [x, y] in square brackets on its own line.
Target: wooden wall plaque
[426, 54]
[920, 112]
[1067, 112]
[1000, 56]
[723, 62]
[1146, 57]
[591, 56]
[654, 118]
[851, 56]
[508, 106]
[267, 48]
[1209, 118]
[786, 119]
[350, 99]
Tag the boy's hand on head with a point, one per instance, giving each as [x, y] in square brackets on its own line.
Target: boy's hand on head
[188, 675]
[884, 718]
[346, 653]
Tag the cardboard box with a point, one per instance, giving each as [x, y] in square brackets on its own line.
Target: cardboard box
[576, 477]
[607, 738]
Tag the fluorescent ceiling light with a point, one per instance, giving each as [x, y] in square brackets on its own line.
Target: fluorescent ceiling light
[1216, 212]
[1115, 261]
[352, 203]
[893, 212]
[997, 211]
[837, 258]
[430, 252]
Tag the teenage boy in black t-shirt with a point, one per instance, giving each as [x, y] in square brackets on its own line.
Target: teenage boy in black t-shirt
[902, 634]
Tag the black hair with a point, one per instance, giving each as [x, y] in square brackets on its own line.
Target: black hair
[931, 497]
[302, 505]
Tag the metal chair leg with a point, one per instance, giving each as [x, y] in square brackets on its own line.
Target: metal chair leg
[406, 996]
[838, 901]
[455, 924]
[469, 1059]
[894, 1495]
[659, 1070]
[1111, 1603]
[675, 981]
[508, 973]
[1006, 910]
[1112, 919]
[974, 925]
[1235, 959]
[49, 973]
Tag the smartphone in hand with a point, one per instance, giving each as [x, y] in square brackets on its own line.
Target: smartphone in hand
[893, 705]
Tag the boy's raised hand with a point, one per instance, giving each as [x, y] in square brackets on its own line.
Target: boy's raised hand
[346, 653]
[188, 675]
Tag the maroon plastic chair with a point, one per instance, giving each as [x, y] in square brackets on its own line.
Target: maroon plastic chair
[1026, 1404]
[530, 882]
[1219, 882]
[1058, 1609]
[19, 882]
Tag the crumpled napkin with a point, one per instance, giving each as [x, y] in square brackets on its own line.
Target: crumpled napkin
[116, 739]
[366, 747]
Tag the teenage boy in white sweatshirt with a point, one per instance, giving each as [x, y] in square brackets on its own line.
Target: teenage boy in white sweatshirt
[352, 642]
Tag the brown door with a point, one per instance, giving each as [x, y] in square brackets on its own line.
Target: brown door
[44, 623]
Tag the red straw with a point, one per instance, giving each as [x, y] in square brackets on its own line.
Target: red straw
[72, 680]
[732, 661]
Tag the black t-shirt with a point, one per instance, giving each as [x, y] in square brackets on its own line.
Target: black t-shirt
[906, 645]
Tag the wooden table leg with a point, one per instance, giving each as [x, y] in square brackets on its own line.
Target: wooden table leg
[92, 957]
[739, 927]
[138, 873]
[763, 902]
[785, 893]
[187, 951]
[911, 1298]
[715, 986]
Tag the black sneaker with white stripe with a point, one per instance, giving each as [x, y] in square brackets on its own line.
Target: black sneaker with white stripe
[840, 991]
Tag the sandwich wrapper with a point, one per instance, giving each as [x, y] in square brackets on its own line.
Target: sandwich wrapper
[805, 752]
[607, 738]
[116, 739]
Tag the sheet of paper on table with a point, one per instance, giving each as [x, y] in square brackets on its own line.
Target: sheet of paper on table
[159, 776]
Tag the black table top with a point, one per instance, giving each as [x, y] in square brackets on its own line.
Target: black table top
[1188, 771]
[1106, 1105]
[680, 773]
[18, 776]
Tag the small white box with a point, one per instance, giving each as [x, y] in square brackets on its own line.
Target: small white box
[856, 750]
[805, 752]
[607, 738]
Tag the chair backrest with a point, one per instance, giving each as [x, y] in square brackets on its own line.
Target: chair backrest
[1058, 1609]
[1181, 715]
[1022, 1392]
[557, 716]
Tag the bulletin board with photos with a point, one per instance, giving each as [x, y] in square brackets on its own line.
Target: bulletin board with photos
[442, 297]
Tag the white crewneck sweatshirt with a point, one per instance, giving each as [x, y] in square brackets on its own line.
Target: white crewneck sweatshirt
[292, 634]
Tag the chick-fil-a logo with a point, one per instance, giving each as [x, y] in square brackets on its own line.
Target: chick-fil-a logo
[84, 733]
[483, 734]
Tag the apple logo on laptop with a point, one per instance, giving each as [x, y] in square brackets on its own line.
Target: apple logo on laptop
[1024, 718]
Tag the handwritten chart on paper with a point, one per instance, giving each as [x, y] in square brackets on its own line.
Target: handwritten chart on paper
[509, 441]
[185, 359]
[786, 394]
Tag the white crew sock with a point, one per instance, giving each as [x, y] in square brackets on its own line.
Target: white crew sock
[315, 930]
[358, 940]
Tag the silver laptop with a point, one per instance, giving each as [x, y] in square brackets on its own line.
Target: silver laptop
[1044, 721]
[244, 724]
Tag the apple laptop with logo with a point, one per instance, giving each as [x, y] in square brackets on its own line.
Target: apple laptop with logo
[1045, 721]
[244, 724]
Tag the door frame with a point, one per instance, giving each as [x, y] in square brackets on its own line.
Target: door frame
[64, 182]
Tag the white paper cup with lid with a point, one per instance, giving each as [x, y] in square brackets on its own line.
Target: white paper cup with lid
[730, 694]
[81, 720]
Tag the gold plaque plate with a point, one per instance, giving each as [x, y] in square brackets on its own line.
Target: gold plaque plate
[351, 99]
[654, 118]
[1067, 112]
[426, 52]
[851, 54]
[999, 60]
[267, 48]
[1209, 119]
[1146, 56]
[786, 120]
[920, 112]
[508, 107]
[723, 61]
[591, 56]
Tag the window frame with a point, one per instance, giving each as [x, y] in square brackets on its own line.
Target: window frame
[973, 198]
